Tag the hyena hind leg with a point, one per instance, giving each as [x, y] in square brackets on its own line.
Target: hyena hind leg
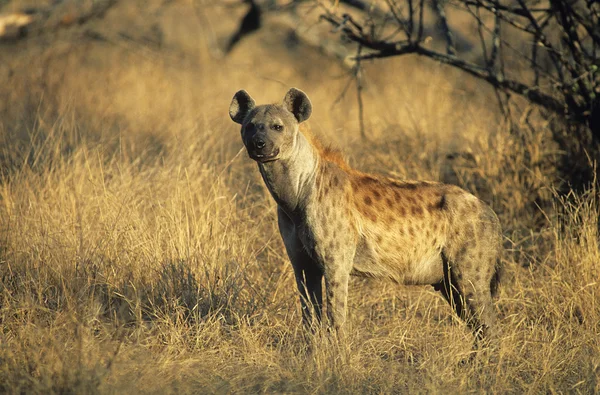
[450, 290]
[469, 294]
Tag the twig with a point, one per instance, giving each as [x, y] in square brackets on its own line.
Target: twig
[359, 88]
[503, 42]
[421, 8]
[533, 64]
[495, 41]
[401, 22]
[556, 59]
[450, 45]
[480, 25]
[411, 19]
[498, 6]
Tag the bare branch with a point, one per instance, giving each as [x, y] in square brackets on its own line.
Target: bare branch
[480, 33]
[568, 87]
[495, 41]
[568, 27]
[411, 19]
[481, 26]
[500, 7]
[533, 63]
[593, 32]
[365, 6]
[450, 46]
[420, 34]
[531, 93]
[401, 22]
[555, 56]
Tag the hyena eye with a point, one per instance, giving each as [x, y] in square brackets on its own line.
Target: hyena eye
[249, 127]
[277, 127]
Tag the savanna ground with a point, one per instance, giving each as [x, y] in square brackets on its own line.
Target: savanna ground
[139, 249]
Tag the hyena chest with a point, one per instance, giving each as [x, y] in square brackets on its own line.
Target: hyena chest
[328, 233]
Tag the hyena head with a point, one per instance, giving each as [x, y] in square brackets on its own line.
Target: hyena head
[270, 131]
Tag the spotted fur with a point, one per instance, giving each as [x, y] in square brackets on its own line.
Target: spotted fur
[336, 221]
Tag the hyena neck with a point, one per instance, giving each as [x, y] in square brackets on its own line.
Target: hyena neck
[290, 180]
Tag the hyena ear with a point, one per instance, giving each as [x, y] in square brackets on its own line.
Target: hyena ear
[240, 106]
[298, 104]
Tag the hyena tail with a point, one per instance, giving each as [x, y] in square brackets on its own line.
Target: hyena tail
[496, 278]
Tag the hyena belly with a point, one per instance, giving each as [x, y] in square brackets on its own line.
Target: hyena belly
[403, 228]
[395, 254]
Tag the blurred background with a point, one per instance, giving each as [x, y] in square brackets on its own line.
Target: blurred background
[138, 245]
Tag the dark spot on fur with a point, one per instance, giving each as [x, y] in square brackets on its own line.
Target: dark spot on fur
[411, 200]
[404, 185]
[334, 181]
[397, 196]
[367, 180]
[441, 204]
[389, 202]
[416, 210]
[469, 233]
[376, 195]
[333, 284]
[388, 221]
[401, 211]
[368, 200]
[411, 231]
[371, 215]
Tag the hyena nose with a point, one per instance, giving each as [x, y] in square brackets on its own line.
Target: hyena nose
[259, 144]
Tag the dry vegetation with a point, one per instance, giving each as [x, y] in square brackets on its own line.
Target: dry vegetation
[139, 250]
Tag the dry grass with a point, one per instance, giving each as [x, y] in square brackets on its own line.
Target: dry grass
[139, 250]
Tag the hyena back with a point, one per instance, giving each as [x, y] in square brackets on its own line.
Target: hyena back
[336, 221]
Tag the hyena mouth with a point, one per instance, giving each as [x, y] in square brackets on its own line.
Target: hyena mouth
[263, 158]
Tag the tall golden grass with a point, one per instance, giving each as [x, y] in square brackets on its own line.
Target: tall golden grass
[139, 249]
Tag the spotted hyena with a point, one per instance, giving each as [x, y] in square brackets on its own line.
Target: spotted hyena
[336, 221]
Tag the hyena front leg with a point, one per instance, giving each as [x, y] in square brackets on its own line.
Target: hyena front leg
[309, 279]
[309, 275]
[337, 275]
